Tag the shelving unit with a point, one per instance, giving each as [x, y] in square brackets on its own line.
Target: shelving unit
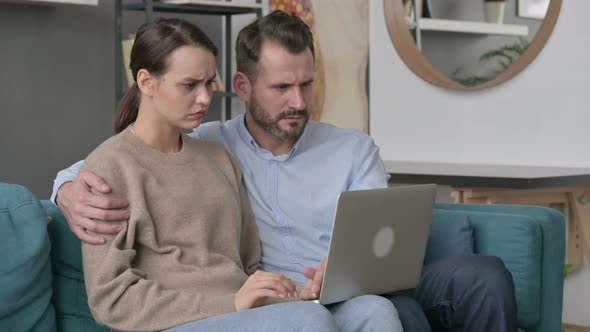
[432, 24]
[213, 4]
[224, 8]
[55, 2]
[456, 26]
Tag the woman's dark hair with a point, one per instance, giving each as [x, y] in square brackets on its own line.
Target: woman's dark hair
[289, 31]
[154, 42]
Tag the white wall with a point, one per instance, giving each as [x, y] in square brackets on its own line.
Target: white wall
[539, 118]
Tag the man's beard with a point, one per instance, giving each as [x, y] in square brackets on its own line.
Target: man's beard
[271, 125]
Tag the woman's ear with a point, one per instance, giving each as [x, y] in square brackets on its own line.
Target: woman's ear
[145, 82]
[242, 86]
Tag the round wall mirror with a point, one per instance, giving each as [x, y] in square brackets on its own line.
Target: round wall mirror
[468, 44]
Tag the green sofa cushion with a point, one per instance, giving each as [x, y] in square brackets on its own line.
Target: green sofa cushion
[516, 239]
[439, 246]
[25, 270]
[69, 292]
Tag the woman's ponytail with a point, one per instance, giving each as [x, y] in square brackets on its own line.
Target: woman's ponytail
[128, 109]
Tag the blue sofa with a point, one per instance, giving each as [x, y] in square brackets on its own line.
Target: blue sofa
[42, 285]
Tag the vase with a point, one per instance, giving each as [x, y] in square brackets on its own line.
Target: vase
[494, 11]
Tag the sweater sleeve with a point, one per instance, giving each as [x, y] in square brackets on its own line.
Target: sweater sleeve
[122, 296]
[249, 239]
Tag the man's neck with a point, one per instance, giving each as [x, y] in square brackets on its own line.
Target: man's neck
[268, 141]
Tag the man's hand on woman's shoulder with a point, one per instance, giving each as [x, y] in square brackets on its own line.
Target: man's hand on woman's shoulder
[82, 207]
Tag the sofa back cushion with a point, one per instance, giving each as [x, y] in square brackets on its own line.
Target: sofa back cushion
[517, 240]
[69, 292]
[443, 229]
[25, 269]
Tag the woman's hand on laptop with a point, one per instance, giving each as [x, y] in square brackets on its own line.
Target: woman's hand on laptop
[311, 291]
[262, 286]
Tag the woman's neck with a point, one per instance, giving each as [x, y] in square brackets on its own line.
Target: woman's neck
[157, 134]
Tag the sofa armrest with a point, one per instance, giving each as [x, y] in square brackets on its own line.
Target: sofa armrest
[69, 293]
[551, 225]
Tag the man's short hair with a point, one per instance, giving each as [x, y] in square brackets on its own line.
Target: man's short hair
[288, 31]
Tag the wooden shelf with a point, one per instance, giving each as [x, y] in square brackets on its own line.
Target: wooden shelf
[212, 7]
[215, 3]
[435, 24]
[53, 2]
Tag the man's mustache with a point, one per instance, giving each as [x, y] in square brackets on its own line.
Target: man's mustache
[302, 113]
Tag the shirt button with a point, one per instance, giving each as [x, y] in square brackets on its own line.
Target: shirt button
[292, 258]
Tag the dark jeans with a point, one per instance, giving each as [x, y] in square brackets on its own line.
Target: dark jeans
[466, 294]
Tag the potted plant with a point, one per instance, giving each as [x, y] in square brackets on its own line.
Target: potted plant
[494, 11]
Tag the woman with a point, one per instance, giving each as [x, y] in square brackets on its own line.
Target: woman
[190, 249]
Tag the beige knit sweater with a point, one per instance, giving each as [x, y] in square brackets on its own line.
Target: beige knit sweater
[189, 245]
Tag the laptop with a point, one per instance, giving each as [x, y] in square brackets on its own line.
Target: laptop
[378, 241]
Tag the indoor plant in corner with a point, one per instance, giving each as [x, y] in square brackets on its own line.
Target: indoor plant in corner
[494, 11]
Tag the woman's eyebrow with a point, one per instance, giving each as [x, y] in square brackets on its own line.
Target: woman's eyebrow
[194, 79]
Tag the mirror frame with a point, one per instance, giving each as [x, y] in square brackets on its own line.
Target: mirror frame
[404, 43]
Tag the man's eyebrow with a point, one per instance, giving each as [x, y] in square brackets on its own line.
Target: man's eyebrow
[281, 84]
[286, 84]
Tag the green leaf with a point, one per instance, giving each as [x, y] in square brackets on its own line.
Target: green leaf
[503, 57]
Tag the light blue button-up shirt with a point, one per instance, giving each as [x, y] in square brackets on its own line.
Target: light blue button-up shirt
[294, 196]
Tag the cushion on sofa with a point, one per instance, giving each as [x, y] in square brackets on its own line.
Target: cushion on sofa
[25, 270]
[516, 239]
[443, 229]
[69, 292]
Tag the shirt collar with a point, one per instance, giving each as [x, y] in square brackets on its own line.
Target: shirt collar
[245, 134]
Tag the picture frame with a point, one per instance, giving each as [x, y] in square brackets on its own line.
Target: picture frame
[535, 9]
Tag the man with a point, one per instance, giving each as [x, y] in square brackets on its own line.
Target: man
[294, 170]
